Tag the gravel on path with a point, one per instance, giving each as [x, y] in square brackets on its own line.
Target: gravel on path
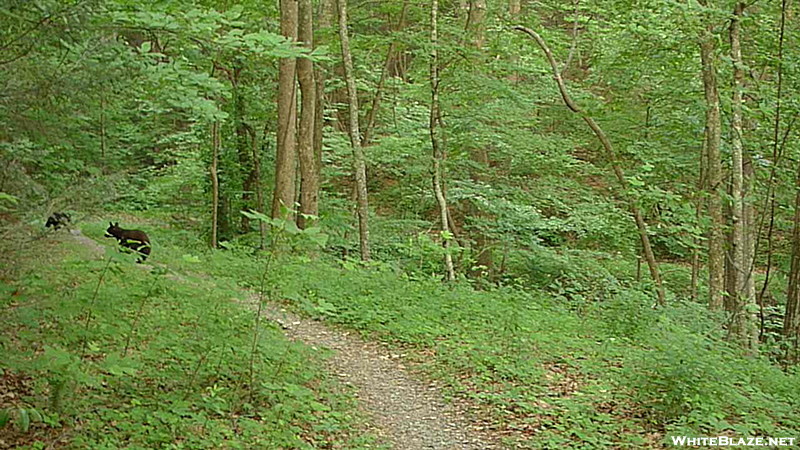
[407, 411]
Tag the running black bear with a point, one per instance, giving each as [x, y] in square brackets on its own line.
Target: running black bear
[133, 239]
[58, 220]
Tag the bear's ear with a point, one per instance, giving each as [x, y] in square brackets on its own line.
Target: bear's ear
[116, 224]
[110, 224]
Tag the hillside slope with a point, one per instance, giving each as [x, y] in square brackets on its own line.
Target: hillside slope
[615, 373]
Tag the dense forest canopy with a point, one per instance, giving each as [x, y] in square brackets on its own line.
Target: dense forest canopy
[630, 166]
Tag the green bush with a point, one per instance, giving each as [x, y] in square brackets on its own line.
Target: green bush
[692, 380]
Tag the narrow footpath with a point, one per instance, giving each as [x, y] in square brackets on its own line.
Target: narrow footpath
[405, 411]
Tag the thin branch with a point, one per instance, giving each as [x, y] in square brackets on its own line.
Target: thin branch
[21, 55]
[574, 39]
[556, 74]
[776, 153]
[376, 99]
[43, 21]
[601, 136]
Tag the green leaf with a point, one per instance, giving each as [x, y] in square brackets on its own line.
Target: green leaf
[316, 235]
[290, 227]
[635, 182]
[24, 420]
[191, 258]
[255, 215]
[8, 198]
[36, 416]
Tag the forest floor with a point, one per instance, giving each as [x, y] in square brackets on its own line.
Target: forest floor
[349, 356]
[405, 409]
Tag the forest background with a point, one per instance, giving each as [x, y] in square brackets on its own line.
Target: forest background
[618, 172]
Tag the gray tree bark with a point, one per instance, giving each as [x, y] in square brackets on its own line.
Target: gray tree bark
[713, 133]
[286, 153]
[700, 205]
[476, 23]
[309, 175]
[791, 320]
[438, 152]
[742, 298]
[325, 20]
[215, 145]
[359, 163]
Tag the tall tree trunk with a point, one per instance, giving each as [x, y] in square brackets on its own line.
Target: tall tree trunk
[438, 151]
[309, 175]
[103, 140]
[742, 325]
[286, 153]
[713, 138]
[359, 164]
[325, 17]
[737, 172]
[777, 154]
[215, 145]
[246, 170]
[224, 226]
[641, 226]
[791, 319]
[700, 204]
[476, 22]
[484, 259]
[749, 218]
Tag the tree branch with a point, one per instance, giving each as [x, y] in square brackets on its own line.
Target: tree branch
[556, 73]
[615, 165]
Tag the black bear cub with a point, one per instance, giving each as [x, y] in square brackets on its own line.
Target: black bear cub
[58, 220]
[133, 239]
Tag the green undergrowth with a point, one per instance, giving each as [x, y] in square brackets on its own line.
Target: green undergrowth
[99, 352]
[549, 365]
[612, 373]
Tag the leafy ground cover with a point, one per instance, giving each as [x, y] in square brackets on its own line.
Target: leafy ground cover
[546, 371]
[98, 352]
[542, 370]
[618, 373]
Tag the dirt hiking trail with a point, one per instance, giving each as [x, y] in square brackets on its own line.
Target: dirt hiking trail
[405, 411]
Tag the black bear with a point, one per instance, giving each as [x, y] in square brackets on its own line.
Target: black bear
[58, 220]
[133, 239]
